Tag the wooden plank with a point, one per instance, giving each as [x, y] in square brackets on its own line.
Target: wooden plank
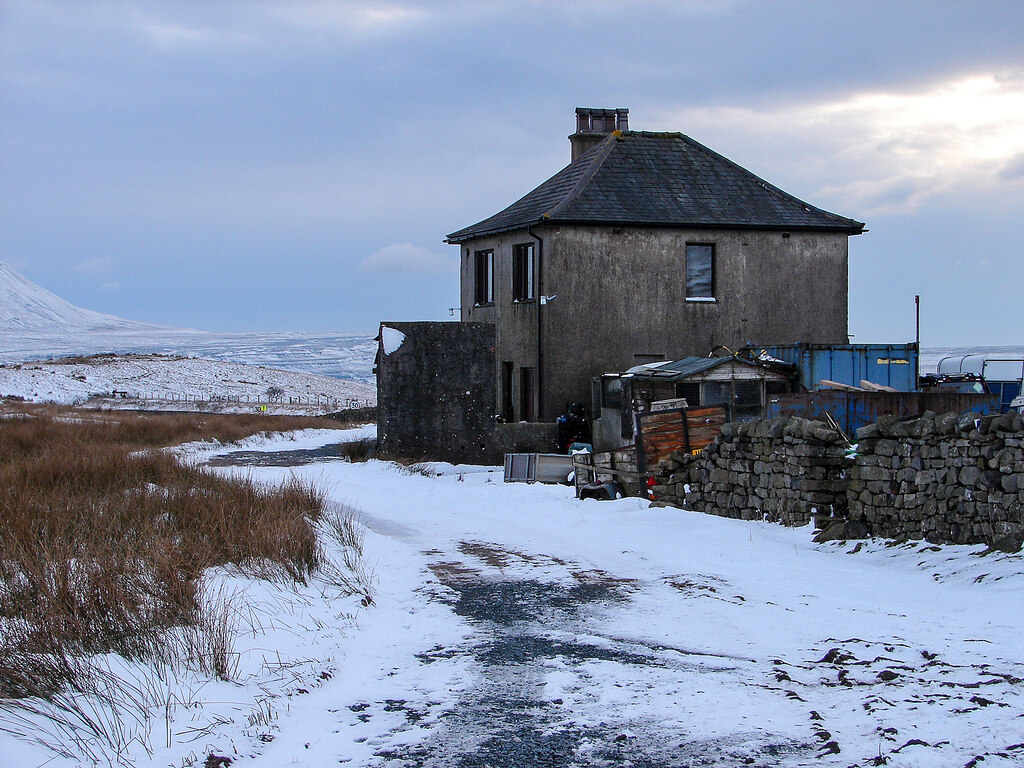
[829, 384]
[870, 386]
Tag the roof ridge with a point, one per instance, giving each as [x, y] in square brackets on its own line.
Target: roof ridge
[600, 153]
[767, 185]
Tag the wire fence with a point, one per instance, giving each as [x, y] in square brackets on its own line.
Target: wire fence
[342, 403]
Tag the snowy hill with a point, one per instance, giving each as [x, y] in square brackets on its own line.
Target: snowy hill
[27, 306]
[36, 324]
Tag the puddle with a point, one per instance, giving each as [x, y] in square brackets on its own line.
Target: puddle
[524, 649]
[527, 600]
[294, 458]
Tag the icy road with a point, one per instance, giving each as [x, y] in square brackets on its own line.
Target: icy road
[517, 626]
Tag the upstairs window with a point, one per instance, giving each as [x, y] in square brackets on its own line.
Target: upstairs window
[522, 272]
[484, 281]
[700, 271]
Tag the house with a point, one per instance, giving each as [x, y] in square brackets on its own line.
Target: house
[646, 247]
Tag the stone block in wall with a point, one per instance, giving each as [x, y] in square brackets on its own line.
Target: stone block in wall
[946, 424]
[873, 473]
[719, 475]
[868, 432]
[966, 423]
[906, 474]
[991, 478]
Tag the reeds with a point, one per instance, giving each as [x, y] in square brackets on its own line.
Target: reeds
[104, 540]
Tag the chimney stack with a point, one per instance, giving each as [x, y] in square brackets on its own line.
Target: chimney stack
[593, 125]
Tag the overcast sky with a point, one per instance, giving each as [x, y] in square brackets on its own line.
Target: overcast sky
[296, 165]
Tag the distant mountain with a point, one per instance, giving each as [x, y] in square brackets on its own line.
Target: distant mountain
[28, 307]
[35, 325]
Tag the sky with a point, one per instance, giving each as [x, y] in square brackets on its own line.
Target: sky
[248, 166]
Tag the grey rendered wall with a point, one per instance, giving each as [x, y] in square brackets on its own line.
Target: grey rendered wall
[516, 334]
[435, 398]
[435, 393]
[621, 292]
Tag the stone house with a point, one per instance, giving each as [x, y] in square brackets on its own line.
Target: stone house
[646, 247]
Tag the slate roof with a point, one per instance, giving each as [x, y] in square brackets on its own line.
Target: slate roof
[658, 179]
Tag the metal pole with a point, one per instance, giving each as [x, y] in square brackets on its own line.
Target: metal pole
[917, 333]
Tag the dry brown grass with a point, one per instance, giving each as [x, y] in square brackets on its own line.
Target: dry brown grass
[103, 539]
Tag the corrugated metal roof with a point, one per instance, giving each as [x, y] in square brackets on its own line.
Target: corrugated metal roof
[683, 368]
[658, 179]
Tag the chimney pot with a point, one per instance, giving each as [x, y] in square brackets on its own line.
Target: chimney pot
[593, 125]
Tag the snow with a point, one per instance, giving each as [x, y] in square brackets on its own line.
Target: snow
[164, 379]
[35, 324]
[706, 638]
[391, 339]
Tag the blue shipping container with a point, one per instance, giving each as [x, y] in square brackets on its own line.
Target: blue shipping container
[891, 365]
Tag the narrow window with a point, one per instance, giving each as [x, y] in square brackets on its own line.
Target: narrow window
[507, 374]
[526, 411]
[522, 272]
[700, 271]
[484, 277]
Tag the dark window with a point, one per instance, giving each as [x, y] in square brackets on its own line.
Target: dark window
[484, 277]
[717, 393]
[522, 272]
[700, 271]
[691, 391]
[611, 392]
[507, 374]
[526, 412]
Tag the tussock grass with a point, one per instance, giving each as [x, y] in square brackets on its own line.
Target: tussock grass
[104, 540]
[359, 450]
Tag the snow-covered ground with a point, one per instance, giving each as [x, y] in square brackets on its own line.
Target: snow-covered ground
[339, 355]
[514, 625]
[170, 381]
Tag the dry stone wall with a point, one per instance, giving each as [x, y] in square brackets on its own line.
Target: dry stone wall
[945, 478]
[782, 470]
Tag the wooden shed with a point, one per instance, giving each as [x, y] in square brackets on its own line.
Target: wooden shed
[742, 387]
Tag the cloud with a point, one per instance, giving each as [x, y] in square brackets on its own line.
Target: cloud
[407, 258]
[348, 18]
[95, 266]
[1013, 170]
[896, 148]
[173, 36]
